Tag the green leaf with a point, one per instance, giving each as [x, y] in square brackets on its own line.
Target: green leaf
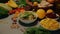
[3, 11]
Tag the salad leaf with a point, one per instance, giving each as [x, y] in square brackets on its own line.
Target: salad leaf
[21, 3]
[36, 30]
[25, 15]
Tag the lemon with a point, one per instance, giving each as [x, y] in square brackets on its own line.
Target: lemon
[41, 13]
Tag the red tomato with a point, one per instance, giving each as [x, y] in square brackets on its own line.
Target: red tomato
[11, 11]
[15, 10]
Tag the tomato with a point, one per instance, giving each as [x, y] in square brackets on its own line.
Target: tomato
[17, 10]
[10, 12]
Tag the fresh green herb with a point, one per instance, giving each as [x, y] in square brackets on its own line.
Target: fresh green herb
[37, 30]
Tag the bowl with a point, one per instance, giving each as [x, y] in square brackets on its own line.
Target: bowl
[53, 16]
[3, 16]
[27, 19]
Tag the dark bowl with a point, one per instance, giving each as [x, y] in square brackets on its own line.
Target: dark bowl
[4, 16]
[29, 24]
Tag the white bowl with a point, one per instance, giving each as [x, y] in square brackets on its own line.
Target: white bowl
[29, 21]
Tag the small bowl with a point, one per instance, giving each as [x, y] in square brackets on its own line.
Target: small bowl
[56, 18]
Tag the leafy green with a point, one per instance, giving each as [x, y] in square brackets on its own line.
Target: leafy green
[21, 3]
[3, 11]
[36, 30]
[36, 1]
[25, 15]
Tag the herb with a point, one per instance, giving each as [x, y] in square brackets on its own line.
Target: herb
[37, 30]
